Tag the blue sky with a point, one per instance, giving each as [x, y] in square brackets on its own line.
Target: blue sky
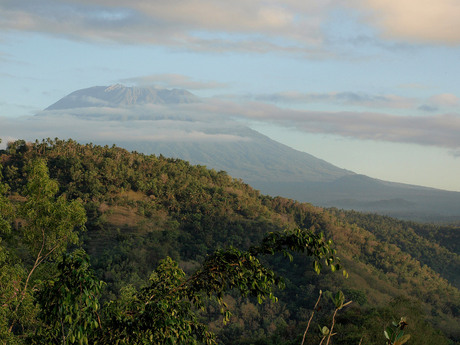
[370, 85]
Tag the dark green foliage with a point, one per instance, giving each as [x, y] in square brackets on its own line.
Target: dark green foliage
[160, 313]
[45, 225]
[142, 209]
[164, 311]
[425, 242]
[49, 221]
[69, 304]
[395, 333]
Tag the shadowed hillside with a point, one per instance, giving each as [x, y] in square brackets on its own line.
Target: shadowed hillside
[143, 208]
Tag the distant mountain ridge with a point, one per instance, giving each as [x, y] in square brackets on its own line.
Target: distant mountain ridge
[119, 95]
[252, 157]
[265, 164]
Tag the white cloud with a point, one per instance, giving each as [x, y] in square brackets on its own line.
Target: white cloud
[345, 98]
[218, 120]
[437, 130]
[174, 22]
[293, 26]
[441, 101]
[423, 21]
[444, 100]
[173, 81]
[142, 123]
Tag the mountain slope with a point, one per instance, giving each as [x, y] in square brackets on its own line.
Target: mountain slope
[229, 145]
[172, 123]
[257, 157]
[361, 193]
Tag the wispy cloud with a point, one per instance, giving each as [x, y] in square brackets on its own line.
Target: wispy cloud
[114, 125]
[173, 81]
[428, 108]
[292, 26]
[357, 100]
[220, 120]
[441, 101]
[345, 98]
[445, 99]
[436, 130]
[193, 23]
[423, 21]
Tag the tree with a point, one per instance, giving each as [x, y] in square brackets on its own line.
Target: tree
[165, 311]
[69, 304]
[46, 226]
[10, 274]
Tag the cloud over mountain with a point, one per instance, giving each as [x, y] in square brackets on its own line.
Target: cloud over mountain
[437, 130]
[213, 132]
[173, 80]
[131, 113]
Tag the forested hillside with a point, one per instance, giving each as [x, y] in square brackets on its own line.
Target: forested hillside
[141, 209]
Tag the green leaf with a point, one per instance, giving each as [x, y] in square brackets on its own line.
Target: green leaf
[339, 299]
[324, 330]
[403, 340]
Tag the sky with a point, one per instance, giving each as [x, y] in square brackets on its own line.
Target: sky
[368, 85]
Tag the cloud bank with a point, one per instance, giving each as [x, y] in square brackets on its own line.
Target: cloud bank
[197, 24]
[220, 120]
[343, 98]
[295, 26]
[436, 130]
[113, 125]
[423, 21]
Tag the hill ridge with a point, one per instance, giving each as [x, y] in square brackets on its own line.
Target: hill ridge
[223, 143]
[148, 207]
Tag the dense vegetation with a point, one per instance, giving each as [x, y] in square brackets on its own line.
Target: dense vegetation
[141, 209]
